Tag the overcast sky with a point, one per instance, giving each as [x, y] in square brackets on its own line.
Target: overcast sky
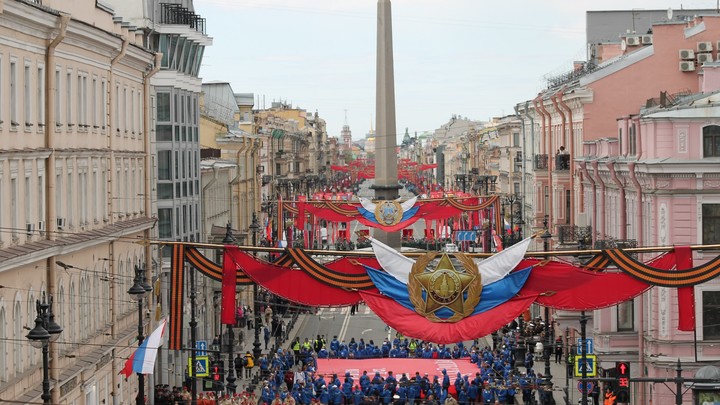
[472, 58]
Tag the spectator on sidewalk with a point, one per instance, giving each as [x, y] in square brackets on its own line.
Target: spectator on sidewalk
[249, 364]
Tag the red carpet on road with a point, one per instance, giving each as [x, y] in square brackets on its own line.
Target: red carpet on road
[397, 366]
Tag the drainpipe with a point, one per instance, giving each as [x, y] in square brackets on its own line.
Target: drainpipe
[522, 148]
[560, 112]
[623, 204]
[50, 174]
[147, 152]
[548, 136]
[641, 301]
[583, 167]
[601, 185]
[110, 132]
[532, 143]
[543, 147]
[571, 150]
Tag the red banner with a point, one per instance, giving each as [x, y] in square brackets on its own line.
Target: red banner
[686, 295]
[431, 367]
[230, 269]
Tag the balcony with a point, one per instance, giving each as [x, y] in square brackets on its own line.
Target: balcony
[176, 14]
[540, 162]
[562, 162]
[574, 235]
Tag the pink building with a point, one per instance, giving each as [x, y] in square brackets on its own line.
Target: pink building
[642, 131]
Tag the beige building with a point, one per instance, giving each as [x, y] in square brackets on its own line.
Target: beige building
[74, 190]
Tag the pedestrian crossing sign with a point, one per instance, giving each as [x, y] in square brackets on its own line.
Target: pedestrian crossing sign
[590, 365]
[202, 366]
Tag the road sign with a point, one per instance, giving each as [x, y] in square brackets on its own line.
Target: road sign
[202, 366]
[590, 365]
[201, 346]
[465, 236]
[589, 385]
[589, 344]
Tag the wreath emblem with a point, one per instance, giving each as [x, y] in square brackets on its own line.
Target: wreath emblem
[444, 287]
[388, 213]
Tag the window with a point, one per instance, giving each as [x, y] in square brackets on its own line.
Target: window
[13, 95]
[711, 315]
[625, 316]
[3, 346]
[18, 331]
[94, 102]
[27, 97]
[516, 139]
[165, 223]
[631, 140]
[14, 205]
[711, 141]
[56, 96]
[68, 101]
[41, 97]
[103, 108]
[710, 224]
[164, 165]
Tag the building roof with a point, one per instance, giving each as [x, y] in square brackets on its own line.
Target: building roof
[245, 99]
[219, 102]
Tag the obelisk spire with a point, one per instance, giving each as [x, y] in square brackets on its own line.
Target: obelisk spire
[386, 184]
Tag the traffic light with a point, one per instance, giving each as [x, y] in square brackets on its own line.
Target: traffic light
[217, 371]
[622, 373]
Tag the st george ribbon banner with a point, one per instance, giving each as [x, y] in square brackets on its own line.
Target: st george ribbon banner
[431, 367]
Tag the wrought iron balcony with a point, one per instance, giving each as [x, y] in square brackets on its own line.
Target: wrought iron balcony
[541, 162]
[179, 15]
[574, 235]
[562, 162]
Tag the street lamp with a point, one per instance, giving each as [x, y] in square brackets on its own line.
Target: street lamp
[137, 292]
[546, 236]
[45, 331]
[254, 228]
[228, 240]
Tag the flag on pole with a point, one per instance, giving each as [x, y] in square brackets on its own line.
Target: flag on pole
[143, 359]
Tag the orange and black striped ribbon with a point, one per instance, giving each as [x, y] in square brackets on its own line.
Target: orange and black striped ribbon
[328, 276]
[177, 283]
[597, 263]
[210, 268]
[664, 278]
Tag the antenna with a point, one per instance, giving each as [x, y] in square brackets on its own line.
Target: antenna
[346, 117]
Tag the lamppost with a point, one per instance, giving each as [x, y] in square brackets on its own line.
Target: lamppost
[229, 240]
[137, 292]
[547, 376]
[44, 332]
[254, 227]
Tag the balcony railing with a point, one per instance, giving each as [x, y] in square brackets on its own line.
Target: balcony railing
[615, 243]
[562, 162]
[177, 14]
[541, 162]
[574, 235]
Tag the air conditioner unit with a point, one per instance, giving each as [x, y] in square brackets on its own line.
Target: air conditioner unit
[61, 223]
[687, 54]
[705, 46]
[647, 39]
[632, 41]
[704, 58]
[30, 228]
[687, 66]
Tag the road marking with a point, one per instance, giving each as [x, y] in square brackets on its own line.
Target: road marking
[366, 331]
[343, 329]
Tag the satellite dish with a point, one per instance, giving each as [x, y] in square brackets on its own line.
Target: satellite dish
[623, 45]
[670, 13]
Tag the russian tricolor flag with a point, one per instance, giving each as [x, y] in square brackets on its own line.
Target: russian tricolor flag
[143, 360]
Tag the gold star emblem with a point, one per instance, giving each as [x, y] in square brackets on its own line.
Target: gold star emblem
[444, 287]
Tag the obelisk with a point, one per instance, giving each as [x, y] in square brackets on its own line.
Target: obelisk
[386, 182]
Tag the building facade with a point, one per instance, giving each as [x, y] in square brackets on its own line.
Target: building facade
[74, 187]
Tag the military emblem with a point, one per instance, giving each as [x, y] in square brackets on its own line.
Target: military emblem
[444, 293]
[388, 213]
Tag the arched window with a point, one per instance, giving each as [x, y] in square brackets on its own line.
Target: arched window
[59, 306]
[3, 344]
[18, 344]
[31, 314]
[83, 309]
[711, 141]
[71, 324]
